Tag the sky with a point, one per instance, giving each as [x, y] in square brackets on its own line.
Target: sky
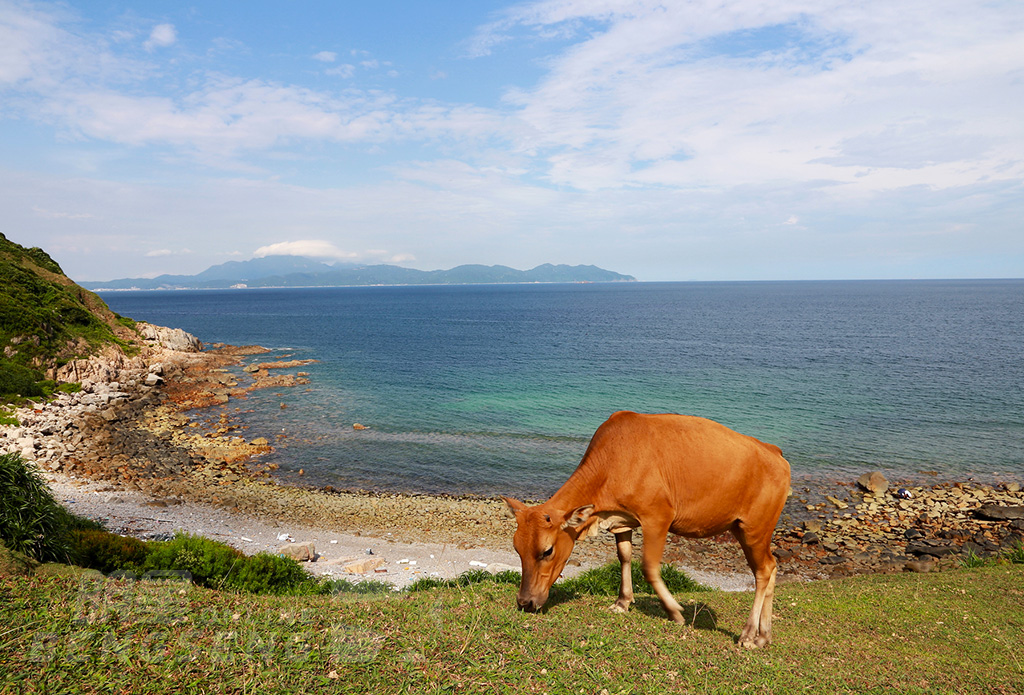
[683, 140]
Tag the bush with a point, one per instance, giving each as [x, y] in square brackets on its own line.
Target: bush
[264, 573]
[16, 380]
[209, 562]
[31, 520]
[109, 552]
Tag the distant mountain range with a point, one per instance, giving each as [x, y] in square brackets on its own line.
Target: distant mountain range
[296, 271]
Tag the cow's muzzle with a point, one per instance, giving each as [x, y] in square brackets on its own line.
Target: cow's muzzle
[527, 605]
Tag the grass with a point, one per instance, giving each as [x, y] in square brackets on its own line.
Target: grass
[950, 632]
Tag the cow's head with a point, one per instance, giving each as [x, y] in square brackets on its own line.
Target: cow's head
[544, 539]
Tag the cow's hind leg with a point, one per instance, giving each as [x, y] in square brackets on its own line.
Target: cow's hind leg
[624, 549]
[654, 546]
[758, 630]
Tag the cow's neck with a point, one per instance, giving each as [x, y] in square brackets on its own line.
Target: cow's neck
[584, 486]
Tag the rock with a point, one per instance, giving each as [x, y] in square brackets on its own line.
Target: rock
[357, 426]
[873, 482]
[837, 502]
[303, 552]
[362, 566]
[995, 512]
[918, 566]
[810, 538]
[921, 548]
[498, 567]
[170, 338]
[1011, 487]
[782, 553]
[153, 380]
[813, 525]
[833, 560]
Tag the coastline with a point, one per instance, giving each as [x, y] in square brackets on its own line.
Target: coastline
[154, 445]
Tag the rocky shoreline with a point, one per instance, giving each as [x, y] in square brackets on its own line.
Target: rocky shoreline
[165, 424]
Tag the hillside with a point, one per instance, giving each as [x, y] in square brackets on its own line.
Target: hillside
[47, 320]
[294, 271]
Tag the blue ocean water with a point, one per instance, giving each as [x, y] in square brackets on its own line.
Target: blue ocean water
[498, 388]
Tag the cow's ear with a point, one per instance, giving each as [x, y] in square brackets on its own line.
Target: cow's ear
[579, 516]
[514, 506]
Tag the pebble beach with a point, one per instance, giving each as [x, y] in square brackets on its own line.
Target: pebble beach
[153, 445]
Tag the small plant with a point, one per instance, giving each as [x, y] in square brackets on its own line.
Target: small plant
[1015, 553]
[7, 416]
[326, 586]
[31, 520]
[466, 579]
[604, 581]
[970, 560]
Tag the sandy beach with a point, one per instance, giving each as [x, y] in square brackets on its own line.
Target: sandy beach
[153, 446]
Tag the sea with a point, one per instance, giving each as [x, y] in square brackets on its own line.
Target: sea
[497, 389]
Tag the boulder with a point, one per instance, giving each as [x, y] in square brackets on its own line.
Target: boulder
[363, 566]
[918, 566]
[995, 512]
[170, 338]
[873, 482]
[303, 552]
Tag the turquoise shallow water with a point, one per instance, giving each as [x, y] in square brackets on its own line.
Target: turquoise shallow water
[487, 389]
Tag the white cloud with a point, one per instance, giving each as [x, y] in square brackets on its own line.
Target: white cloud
[345, 70]
[162, 36]
[312, 248]
[325, 56]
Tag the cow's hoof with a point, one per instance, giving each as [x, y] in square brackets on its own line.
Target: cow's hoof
[755, 643]
[619, 607]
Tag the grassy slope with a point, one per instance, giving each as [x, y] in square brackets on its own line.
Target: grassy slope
[956, 631]
[45, 318]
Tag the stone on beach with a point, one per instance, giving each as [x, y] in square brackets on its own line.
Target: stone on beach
[303, 552]
[873, 482]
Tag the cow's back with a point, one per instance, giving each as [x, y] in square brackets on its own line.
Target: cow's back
[708, 475]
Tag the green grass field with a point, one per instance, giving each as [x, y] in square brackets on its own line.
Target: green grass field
[957, 632]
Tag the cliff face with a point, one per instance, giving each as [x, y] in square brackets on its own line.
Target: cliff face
[49, 325]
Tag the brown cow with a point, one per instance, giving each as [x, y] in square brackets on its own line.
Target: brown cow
[661, 473]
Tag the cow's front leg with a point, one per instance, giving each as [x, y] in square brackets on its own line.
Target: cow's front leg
[654, 546]
[624, 548]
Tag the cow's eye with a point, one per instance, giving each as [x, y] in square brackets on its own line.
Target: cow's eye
[547, 553]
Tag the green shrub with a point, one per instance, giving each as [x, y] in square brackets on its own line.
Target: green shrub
[604, 581]
[31, 520]
[16, 380]
[264, 573]
[209, 562]
[109, 552]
